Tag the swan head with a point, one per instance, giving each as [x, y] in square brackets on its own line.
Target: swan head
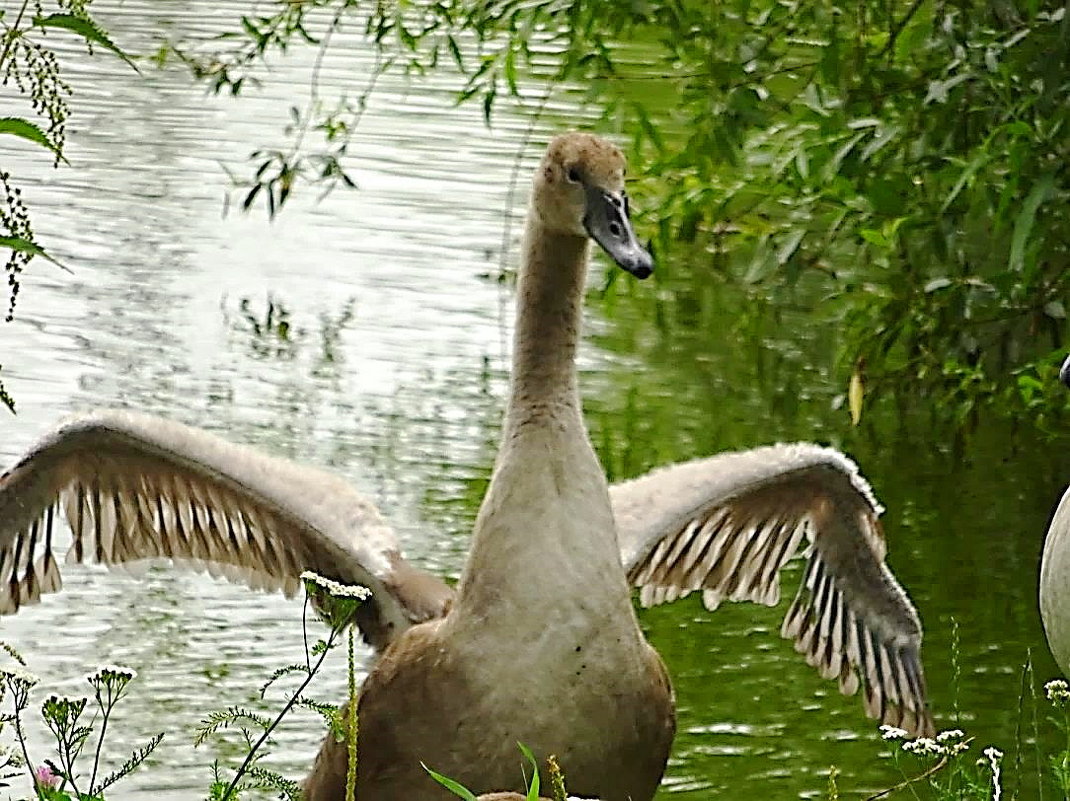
[579, 190]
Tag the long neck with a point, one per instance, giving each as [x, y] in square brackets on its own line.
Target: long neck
[549, 298]
[545, 542]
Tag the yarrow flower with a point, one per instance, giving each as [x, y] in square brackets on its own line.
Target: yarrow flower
[111, 673]
[336, 588]
[948, 743]
[19, 677]
[950, 734]
[994, 756]
[893, 733]
[1057, 691]
[923, 745]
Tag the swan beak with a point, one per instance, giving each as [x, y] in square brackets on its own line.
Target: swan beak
[607, 223]
[1064, 372]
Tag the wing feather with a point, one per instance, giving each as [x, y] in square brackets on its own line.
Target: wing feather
[137, 489]
[727, 525]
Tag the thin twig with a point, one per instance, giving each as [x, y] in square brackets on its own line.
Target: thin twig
[12, 33]
[314, 82]
[903, 785]
[898, 28]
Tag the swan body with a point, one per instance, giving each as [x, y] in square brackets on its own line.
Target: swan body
[1055, 573]
[539, 642]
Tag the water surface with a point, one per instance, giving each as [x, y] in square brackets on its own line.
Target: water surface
[393, 373]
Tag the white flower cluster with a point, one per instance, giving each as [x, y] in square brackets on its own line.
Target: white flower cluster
[19, 676]
[337, 589]
[994, 756]
[109, 672]
[1057, 691]
[950, 742]
[893, 733]
[923, 745]
[950, 734]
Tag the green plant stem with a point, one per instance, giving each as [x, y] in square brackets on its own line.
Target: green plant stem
[25, 753]
[105, 713]
[67, 757]
[351, 739]
[304, 632]
[278, 718]
[12, 34]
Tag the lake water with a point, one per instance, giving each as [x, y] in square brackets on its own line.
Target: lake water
[393, 374]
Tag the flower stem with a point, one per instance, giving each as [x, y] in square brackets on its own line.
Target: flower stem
[278, 719]
[105, 712]
[351, 739]
[22, 744]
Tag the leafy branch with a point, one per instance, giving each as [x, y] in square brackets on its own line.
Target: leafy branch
[33, 69]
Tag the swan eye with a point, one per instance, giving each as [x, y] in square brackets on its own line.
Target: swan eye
[574, 175]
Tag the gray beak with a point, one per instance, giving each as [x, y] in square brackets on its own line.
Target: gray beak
[607, 223]
[1064, 372]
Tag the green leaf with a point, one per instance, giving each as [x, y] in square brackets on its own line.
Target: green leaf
[1023, 223]
[790, 245]
[454, 787]
[874, 237]
[533, 788]
[21, 245]
[87, 29]
[936, 284]
[975, 164]
[25, 129]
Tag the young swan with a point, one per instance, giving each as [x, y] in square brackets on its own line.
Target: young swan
[541, 645]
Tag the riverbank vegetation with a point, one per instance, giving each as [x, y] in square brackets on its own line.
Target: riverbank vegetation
[29, 65]
[951, 766]
[898, 167]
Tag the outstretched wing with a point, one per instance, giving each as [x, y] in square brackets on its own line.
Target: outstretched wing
[136, 488]
[727, 524]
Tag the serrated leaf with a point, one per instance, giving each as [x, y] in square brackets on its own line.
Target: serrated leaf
[87, 29]
[16, 126]
[17, 243]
